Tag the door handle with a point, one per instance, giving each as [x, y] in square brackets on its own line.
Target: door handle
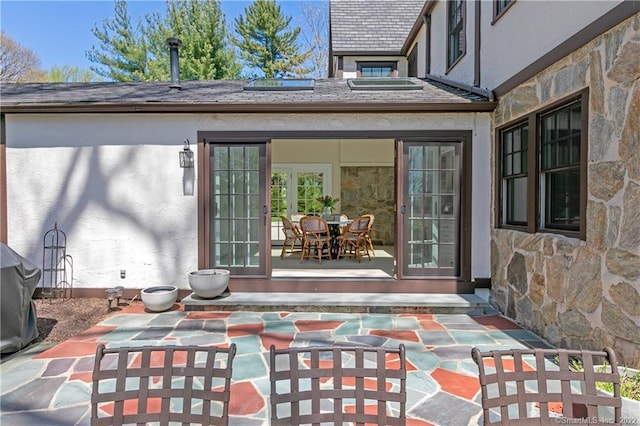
[403, 209]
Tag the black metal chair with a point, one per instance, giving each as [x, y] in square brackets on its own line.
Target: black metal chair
[162, 384]
[338, 384]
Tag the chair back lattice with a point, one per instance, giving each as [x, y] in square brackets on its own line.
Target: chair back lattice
[547, 386]
[314, 224]
[289, 230]
[162, 384]
[337, 385]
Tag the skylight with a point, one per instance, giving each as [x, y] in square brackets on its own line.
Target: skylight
[383, 84]
[281, 84]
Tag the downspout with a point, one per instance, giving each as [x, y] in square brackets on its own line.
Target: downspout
[3, 181]
[476, 53]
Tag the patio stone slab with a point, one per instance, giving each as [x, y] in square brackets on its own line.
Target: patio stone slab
[53, 386]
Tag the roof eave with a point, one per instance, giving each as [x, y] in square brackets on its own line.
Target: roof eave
[182, 108]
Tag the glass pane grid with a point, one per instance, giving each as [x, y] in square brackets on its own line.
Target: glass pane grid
[432, 192]
[236, 206]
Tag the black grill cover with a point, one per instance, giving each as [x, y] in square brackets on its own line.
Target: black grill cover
[19, 279]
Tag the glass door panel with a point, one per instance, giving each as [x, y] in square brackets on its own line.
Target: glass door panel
[279, 203]
[296, 188]
[432, 204]
[238, 208]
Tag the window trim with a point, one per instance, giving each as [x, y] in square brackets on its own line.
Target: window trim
[498, 14]
[463, 33]
[534, 191]
[379, 64]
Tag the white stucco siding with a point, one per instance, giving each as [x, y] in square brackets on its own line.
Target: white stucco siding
[463, 71]
[529, 30]
[113, 184]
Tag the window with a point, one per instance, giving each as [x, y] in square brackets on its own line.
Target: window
[552, 145]
[456, 40]
[268, 84]
[514, 174]
[500, 6]
[377, 69]
[560, 132]
[383, 84]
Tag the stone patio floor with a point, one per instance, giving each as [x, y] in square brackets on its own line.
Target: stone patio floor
[51, 385]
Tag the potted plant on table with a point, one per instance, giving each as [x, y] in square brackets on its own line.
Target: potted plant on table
[328, 204]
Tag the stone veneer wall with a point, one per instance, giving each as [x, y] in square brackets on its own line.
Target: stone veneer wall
[584, 294]
[370, 190]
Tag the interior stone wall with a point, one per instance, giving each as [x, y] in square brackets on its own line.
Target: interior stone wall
[584, 294]
[370, 190]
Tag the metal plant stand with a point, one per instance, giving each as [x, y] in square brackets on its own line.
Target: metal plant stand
[57, 266]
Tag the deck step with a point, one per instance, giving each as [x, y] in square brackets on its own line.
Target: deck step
[388, 303]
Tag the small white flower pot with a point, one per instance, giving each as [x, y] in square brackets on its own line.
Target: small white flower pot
[209, 283]
[159, 298]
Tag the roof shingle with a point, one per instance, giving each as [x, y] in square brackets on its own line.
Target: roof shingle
[376, 26]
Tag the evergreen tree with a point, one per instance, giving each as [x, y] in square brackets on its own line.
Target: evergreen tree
[142, 54]
[205, 53]
[266, 43]
[122, 51]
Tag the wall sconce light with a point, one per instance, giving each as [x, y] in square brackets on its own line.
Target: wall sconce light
[186, 156]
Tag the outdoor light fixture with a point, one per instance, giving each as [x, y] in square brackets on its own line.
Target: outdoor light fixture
[186, 156]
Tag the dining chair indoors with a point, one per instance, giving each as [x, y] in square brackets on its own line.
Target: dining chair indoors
[353, 241]
[162, 385]
[295, 218]
[292, 235]
[547, 386]
[316, 238]
[338, 385]
[367, 235]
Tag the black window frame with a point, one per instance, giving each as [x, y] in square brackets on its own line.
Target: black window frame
[500, 7]
[539, 173]
[456, 31]
[511, 171]
[377, 64]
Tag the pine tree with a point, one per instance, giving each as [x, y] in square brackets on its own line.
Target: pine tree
[122, 51]
[266, 43]
[205, 54]
[141, 53]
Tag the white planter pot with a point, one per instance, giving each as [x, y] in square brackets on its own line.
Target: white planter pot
[209, 283]
[159, 298]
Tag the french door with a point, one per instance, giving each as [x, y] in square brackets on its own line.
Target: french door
[296, 188]
[238, 209]
[430, 208]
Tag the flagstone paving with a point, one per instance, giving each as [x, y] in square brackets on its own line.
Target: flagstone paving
[52, 386]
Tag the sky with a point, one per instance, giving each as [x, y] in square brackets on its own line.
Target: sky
[59, 32]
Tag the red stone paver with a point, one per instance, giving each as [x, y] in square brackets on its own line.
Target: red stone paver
[245, 330]
[208, 315]
[406, 335]
[496, 322]
[456, 384]
[312, 325]
[279, 340]
[69, 349]
[86, 377]
[93, 334]
[245, 399]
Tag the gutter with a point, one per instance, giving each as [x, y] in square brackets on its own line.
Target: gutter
[185, 108]
[472, 89]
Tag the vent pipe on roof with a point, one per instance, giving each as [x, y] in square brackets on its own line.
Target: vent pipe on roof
[174, 44]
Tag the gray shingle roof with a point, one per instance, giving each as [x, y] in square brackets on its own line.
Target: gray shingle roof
[377, 26]
[228, 95]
